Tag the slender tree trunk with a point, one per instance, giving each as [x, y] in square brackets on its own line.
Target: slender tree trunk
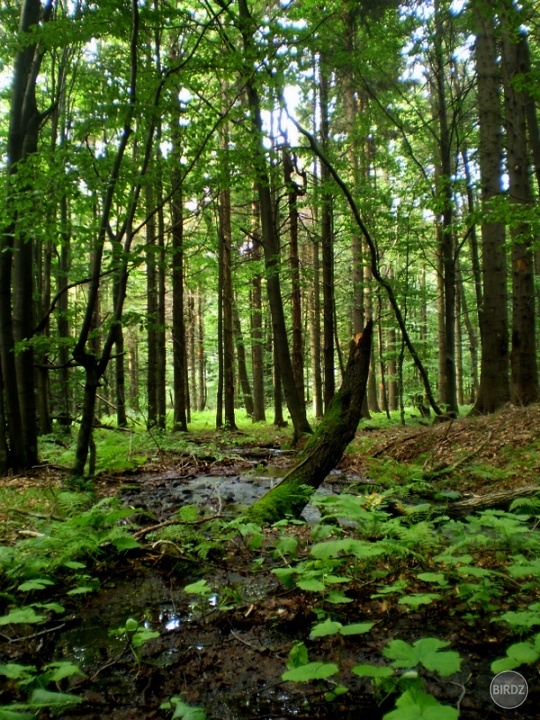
[178, 323]
[151, 309]
[192, 324]
[327, 246]
[133, 369]
[297, 355]
[447, 240]
[257, 359]
[242, 367]
[200, 353]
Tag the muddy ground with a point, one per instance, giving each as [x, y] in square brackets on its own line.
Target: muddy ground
[230, 661]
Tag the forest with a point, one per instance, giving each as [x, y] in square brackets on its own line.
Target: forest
[269, 296]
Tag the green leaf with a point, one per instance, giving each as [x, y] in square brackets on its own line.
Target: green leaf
[328, 627]
[286, 576]
[7, 714]
[298, 655]
[14, 671]
[417, 599]
[35, 584]
[356, 628]
[41, 698]
[415, 704]
[22, 616]
[142, 636]
[186, 712]
[430, 577]
[426, 652]
[62, 669]
[311, 671]
[374, 671]
[336, 597]
[198, 588]
[125, 542]
[311, 584]
[287, 544]
[81, 590]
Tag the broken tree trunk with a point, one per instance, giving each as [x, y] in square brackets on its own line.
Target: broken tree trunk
[326, 446]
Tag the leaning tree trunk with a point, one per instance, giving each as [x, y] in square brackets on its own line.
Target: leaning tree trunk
[327, 445]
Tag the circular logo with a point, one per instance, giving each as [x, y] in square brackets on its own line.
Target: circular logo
[508, 689]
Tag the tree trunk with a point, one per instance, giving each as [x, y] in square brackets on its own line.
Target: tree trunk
[326, 446]
[297, 355]
[494, 389]
[226, 303]
[524, 372]
[178, 323]
[16, 253]
[257, 359]
[242, 367]
[269, 235]
[151, 309]
[201, 362]
[327, 246]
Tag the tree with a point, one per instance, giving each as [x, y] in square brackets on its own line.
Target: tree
[494, 388]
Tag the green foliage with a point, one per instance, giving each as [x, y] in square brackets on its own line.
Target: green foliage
[522, 653]
[182, 711]
[415, 704]
[426, 652]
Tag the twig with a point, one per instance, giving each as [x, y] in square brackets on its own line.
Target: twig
[35, 635]
[173, 521]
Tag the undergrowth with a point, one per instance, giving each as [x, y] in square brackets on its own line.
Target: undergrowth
[481, 569]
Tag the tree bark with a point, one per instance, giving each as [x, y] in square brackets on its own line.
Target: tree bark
[257, 355]
[242, 367]
[326, 446]
[269, 234]
[494, 389]
[524, 371]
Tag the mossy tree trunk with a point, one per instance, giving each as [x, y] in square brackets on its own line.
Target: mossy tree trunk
[326, 446]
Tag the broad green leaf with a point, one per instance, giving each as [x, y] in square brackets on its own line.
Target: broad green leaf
[22, 616]
[125, 542]
[430, 577]
[311, 584]
[14, 671]
[311, 671]
[198, 588]
[523, 653]
[415, 704]
[81, 590]
[74, 565]
[287, 544]
[186, 712]
[286, 576]
[142, 636]
[52, 606]
[328, 627]
[417, 599]
[336, 597]
[35, 584]
[426, 652]
[62, 669]
[356, 628]
[298, 655]
[41, 698]
[7, 714]
[374, 671]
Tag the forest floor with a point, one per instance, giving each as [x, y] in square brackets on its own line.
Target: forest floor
[127, 641]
